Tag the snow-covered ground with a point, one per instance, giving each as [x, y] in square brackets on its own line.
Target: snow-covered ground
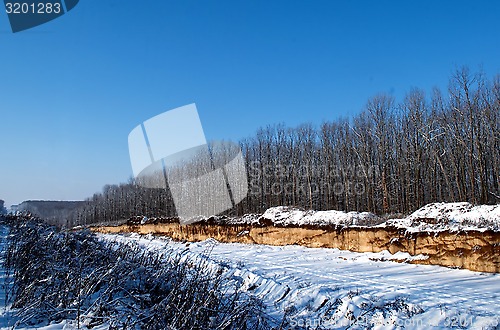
[333, 289]
[337, 289]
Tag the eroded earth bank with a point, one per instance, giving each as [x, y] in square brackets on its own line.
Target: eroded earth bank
[454, 234]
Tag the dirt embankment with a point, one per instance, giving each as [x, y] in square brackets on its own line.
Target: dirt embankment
[473, 250]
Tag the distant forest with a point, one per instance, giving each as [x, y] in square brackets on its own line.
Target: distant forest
[391, 158]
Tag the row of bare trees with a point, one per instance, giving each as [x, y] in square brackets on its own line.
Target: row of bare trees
[391, 158]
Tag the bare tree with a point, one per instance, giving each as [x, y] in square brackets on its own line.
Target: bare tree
[392, 157]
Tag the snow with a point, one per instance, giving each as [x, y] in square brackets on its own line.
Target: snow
[336, 289]
[451, 217]
[430, 218]
[433, 217]
[288, 216]
[285, 216]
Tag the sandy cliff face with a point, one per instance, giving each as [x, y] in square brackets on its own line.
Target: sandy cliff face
[474, 250]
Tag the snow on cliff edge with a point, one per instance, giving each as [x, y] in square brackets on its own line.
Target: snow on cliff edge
[285, 216]
[452, 217]
[432, 217]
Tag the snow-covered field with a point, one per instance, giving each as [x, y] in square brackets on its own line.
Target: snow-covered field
[339, 289]
[334, 289]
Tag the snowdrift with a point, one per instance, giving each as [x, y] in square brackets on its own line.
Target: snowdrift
[432, 217]
[285, 216]
[451, 217]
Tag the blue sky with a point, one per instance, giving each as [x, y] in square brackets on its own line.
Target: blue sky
[71, 90]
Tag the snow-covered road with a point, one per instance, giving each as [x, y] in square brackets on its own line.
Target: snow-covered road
[312, 279]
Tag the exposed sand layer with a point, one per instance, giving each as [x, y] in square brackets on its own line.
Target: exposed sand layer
[473, 250]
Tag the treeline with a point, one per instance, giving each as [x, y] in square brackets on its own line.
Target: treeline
[119, 202]
[391, 158]
[50, 211]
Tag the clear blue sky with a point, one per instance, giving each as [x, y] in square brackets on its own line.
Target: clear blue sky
[71, 90]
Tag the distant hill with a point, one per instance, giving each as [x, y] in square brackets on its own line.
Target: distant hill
[54, 212]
